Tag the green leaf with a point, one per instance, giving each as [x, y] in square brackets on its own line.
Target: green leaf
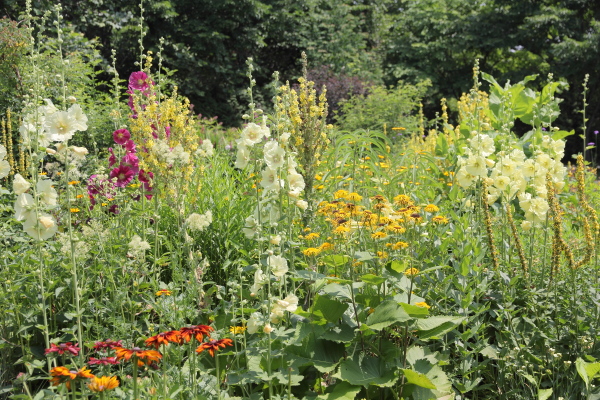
[363, 256]
[417, 378]
[335, 260]
[373, 279]
[436, 326]
[562, 134]
[341, 391]
[324, 355]
[415, 311]
[587, 371]
[339, 333]
[370, 371]
[332, 310]
[387, 313]
[544, 394]
[398, 266]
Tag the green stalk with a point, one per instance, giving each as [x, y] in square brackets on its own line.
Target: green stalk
[219, 376]
[135, 374]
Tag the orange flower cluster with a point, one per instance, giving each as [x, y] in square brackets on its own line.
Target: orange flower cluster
[143, 357]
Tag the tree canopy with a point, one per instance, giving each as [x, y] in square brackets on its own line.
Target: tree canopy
[380, 41]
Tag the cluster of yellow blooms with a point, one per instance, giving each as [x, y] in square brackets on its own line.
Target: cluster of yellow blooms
[164, 129]
[384, 222]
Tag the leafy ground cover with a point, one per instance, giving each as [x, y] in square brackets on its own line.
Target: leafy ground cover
[288, 259]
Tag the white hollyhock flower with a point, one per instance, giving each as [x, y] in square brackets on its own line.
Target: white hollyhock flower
[79, 153]
[290, 303]
[23, 206]
[278, 265]
[464, 178]
[78, 117]
[296, 182]
[250, 228]
[242, 157]
[40, 228]
[476, 166]
[274, 155]
[259, 280]
[302, 204]
[501, 182]
[2, 152]
[254, 323]
[253, 134]
[506, 166]
[517, 156]
[270, 180]
[46, 192]
[20, 184]
[60, 126]
[482, 144]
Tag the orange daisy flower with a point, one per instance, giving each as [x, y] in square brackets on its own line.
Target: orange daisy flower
[143, 356]
[197, 331]
[64, 375]
[164, 338]
[214, 345]
[103, 384]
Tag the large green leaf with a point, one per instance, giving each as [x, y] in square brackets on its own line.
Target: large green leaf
[443, 387]
[415, 311]
[587, 371]
[341, 391]
[417, 378]
[436, 326]
[387, 313]
[544, 394]
[370, 371]
[331, 309]
[324, 355]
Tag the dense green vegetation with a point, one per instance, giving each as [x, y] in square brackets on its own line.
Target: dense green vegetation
[316, 245]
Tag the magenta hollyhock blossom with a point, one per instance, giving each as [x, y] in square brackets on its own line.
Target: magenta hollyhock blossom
[129, 146]
[123, 173]
[114, 209]
[138, 81]
[145, 176]
[103, 361]
[120, 136]
[132, 161]
[130, 102]
[62, 349]
[168, 131]
[112, 159]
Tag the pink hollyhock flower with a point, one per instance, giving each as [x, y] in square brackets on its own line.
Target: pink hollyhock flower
[145, 176]
[129, 146]
[62, 349]
[168, 131]
[121, 136]
[132, 161]
[112, 160]
[138, 81]
[103, 361]
[124, 175]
